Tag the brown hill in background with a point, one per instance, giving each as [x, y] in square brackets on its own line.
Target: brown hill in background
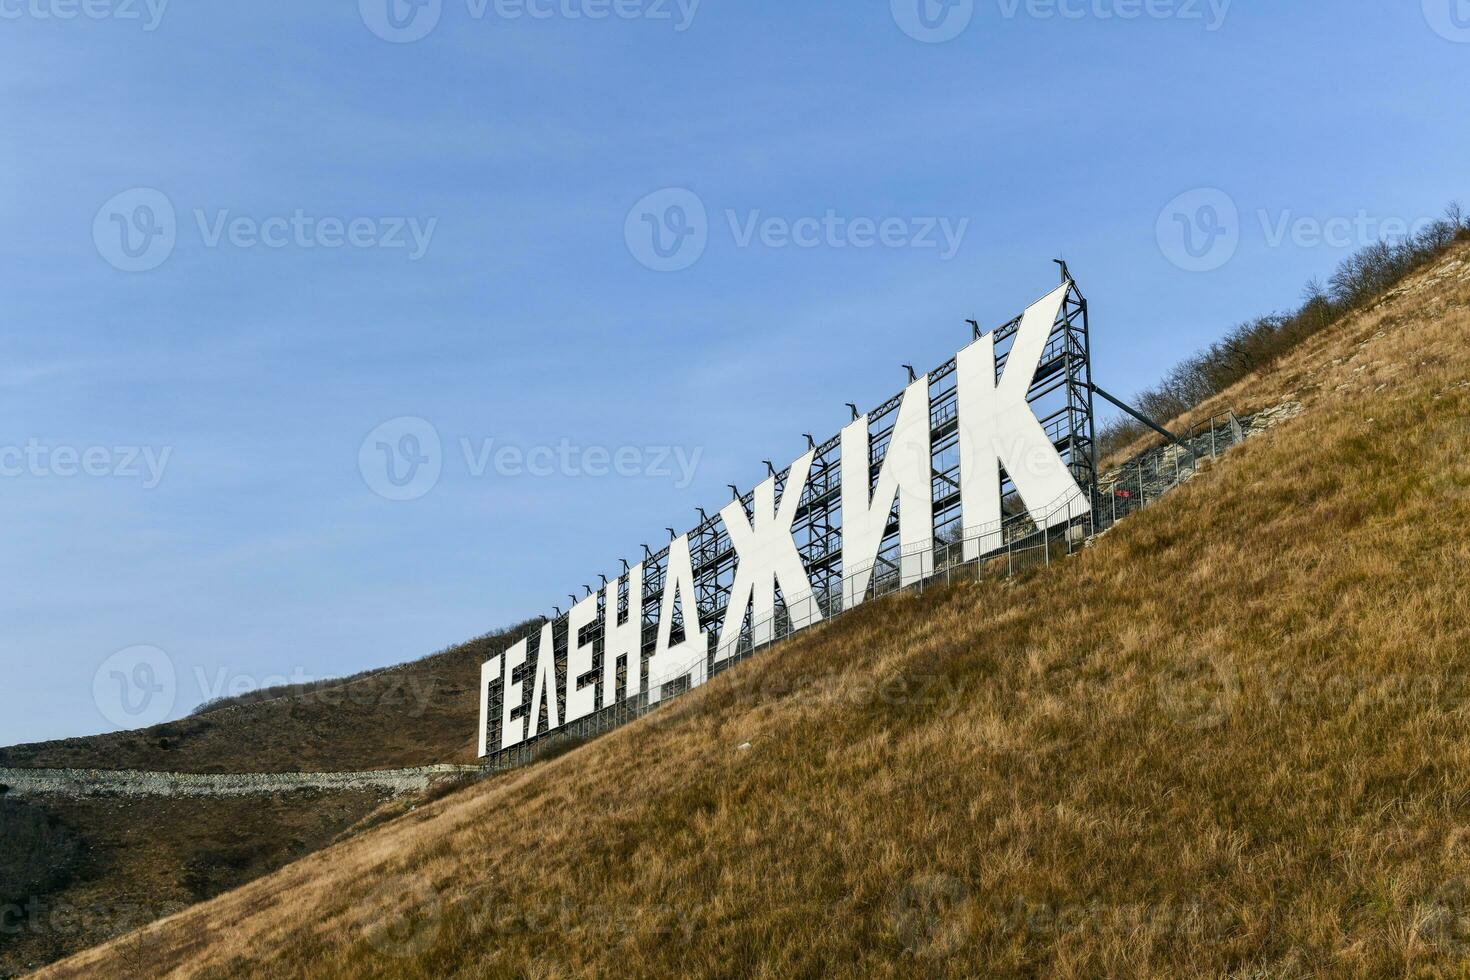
[421, 713]
[75, 872]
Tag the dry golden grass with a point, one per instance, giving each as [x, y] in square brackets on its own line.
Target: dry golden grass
[1232, 739]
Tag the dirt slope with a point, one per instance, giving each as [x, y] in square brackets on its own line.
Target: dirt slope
[1231, 738]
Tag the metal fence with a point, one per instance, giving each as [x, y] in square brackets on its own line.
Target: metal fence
[1015, 544]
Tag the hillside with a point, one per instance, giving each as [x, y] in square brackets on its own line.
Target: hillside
[1230, 738]
[86, 868]
[417, 714]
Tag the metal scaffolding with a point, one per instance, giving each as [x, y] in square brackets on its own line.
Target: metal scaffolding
[1061, 395]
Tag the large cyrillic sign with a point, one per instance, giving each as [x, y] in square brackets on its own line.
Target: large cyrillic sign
[811, 540]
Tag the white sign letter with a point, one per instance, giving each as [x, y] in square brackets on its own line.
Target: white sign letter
[513, 733]
[624, 641]
[687, 659]
[581, 701]
[907, 473]
[545, 683]
[767, 558]
[997, 426]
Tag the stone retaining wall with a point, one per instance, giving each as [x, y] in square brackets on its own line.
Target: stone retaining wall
[99, 782]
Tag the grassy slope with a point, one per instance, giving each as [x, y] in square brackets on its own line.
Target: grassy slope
[419, 714]
[1231, 737]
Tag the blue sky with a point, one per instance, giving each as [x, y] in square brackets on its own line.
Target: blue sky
[253, 548]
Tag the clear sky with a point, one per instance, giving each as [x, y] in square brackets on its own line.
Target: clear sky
[239, 238]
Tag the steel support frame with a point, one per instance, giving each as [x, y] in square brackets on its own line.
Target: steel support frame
[1061, 396]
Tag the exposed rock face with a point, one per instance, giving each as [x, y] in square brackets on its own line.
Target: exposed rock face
[95, 782]
[1262, 421]
[1155, 472]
